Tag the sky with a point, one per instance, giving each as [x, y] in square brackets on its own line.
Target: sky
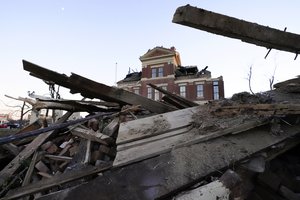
[101, 40]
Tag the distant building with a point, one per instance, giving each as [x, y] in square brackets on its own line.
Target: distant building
[162, 67]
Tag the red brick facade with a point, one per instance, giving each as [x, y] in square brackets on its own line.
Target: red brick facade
[162, 67]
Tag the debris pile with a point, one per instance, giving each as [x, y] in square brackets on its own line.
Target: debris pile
[130, 147]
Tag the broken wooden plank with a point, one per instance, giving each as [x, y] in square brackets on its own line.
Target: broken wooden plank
[92, 89]
[112, 127]
[42, 167]
[162, 176]
[231, 27]
[55, 181]
[87, 157]
[11, 168]
[154, 125]
[45, 175]
[74, 106]
[182, 101]
[58, 158]
[89, 134]
[29, 172]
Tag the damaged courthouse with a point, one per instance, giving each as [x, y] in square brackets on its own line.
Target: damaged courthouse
[162, 68]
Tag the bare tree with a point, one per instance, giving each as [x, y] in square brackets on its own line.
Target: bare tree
[271, 80]
[23, 107]
[249, 79]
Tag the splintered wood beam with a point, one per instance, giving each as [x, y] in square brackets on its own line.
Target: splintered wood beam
[235, 28]
[74, 106]
[112, 127]
[92, 89]
[89, 134]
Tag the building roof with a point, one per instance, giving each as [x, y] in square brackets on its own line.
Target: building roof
[191, 70]
[135, 76]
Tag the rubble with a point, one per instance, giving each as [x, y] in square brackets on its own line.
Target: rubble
[131, 147]
[124, 152]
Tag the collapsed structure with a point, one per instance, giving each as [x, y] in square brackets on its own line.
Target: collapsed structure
[132, 147]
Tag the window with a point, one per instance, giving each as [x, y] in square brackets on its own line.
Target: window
[182, 90]
[156, 95]
[154, 72]
[200, 91]
[157, 72]
[149, 93]
[136, 91]
[216, 90]
[160, 72]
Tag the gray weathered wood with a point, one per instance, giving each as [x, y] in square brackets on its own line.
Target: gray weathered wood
[89, 134]
[29, 172]
[155, 125]
[112, 127]
[74, 106]
[58, 158]
[231, 27]
[87, 152]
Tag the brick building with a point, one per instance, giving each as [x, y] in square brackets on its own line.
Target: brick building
[162, 67]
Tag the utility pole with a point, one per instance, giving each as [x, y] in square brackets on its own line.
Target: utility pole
[116, 70]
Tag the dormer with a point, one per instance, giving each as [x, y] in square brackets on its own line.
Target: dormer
[160, 62]
[160, 55]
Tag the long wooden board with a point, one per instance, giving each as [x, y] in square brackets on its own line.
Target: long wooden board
[232, 27]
